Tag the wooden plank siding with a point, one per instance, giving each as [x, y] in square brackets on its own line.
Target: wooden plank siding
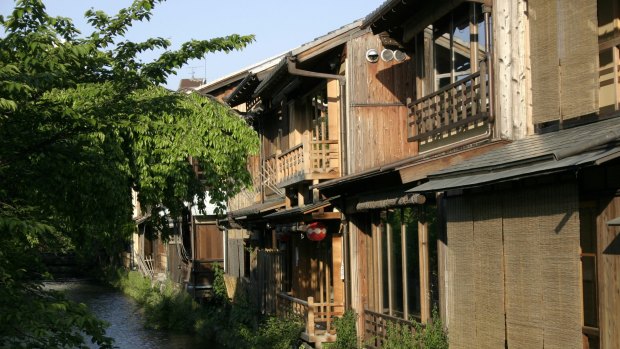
[311, 267]
[378, 114]
[209, 242]
[609, 273]
[360, 261]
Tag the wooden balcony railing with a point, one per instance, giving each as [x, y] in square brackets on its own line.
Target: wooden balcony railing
[375, 327]
[318, 318]
[324, 156]
[453, 107]
[269, 176]
[291, 163]
[307, 160]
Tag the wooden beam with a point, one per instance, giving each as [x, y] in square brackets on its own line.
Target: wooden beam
[420, 170]
[390, 268]
[403, 246]
[425, 295]
[337, 260]
[327, 215]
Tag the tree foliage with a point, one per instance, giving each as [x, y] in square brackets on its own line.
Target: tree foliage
[83, 121]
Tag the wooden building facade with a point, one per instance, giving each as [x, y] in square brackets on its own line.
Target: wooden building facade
[462, 155]
[524, 245]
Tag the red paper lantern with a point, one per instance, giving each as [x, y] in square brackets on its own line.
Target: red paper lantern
[316, 231]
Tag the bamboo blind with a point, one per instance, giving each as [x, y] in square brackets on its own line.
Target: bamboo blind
[564, 58]
[541, 234]
[461, 274]
[513, 259]
[475, 273]
[488, 262]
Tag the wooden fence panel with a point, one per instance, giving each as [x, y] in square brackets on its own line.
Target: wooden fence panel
[270, 274]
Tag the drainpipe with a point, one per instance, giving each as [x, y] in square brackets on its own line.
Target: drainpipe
[293, 70]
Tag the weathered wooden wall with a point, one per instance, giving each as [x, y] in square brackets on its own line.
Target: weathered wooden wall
[269, 278]
[235, 258]
[360, 264]
[209, 242]
[609, 274]
[308, 262]
[377, 106]
[512, 71]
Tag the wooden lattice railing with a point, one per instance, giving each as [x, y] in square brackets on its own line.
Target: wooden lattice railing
[269, 174]
[375, 327]
[291, 163]
[318, 318]
[145, 265]
[314, 157]
[453, 107]
[324, 156]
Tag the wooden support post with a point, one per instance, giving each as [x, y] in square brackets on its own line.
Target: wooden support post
[315, 192]
[403, 246]
[327, 301]
[278, 167]
[379, 266]
[425, 298]
[337, 260]
[310, 321]
[300, 195]
[333, 120]
[307, 153]
[390, 267]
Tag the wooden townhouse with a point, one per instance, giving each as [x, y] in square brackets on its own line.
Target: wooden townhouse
[421, 98]
[514, 198]
[461, 155]
[285, 238]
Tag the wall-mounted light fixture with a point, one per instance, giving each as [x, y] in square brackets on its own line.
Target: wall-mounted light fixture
[372, 55]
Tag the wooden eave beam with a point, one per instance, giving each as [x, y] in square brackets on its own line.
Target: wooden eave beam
[328, 45]
[327, 215]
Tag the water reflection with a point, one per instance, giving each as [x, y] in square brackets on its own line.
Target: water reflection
[124, 315]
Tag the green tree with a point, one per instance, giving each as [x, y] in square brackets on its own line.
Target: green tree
[83, 121]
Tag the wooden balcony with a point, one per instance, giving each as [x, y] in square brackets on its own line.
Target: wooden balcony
[318, 318]
[452, 109]
[316, 159]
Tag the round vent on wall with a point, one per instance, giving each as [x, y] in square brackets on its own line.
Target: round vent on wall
[387, 55]
[399, 55]
[372, 55]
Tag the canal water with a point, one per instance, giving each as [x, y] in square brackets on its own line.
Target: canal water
[125, 317]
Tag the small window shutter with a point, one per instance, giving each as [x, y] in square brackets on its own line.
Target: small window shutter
[564, 58]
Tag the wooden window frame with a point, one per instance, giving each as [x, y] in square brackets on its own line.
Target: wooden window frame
[382, 234]
[588, 330]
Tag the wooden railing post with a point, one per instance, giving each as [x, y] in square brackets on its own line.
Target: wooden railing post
[278, 166]
[483, 86]
[306, 158]
[453, 107]
[310, 321]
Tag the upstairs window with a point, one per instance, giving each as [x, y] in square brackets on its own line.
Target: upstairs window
[459, 41]
[609, 56]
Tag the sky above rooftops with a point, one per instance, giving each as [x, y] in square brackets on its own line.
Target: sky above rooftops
[279, 26]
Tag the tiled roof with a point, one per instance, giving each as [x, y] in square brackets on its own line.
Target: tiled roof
[558, 151]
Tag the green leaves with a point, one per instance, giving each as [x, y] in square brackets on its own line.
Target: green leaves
[82, 123]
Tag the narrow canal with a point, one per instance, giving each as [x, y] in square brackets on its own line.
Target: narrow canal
[125, 318]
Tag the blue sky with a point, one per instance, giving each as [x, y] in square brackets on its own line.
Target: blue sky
[279, 25]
